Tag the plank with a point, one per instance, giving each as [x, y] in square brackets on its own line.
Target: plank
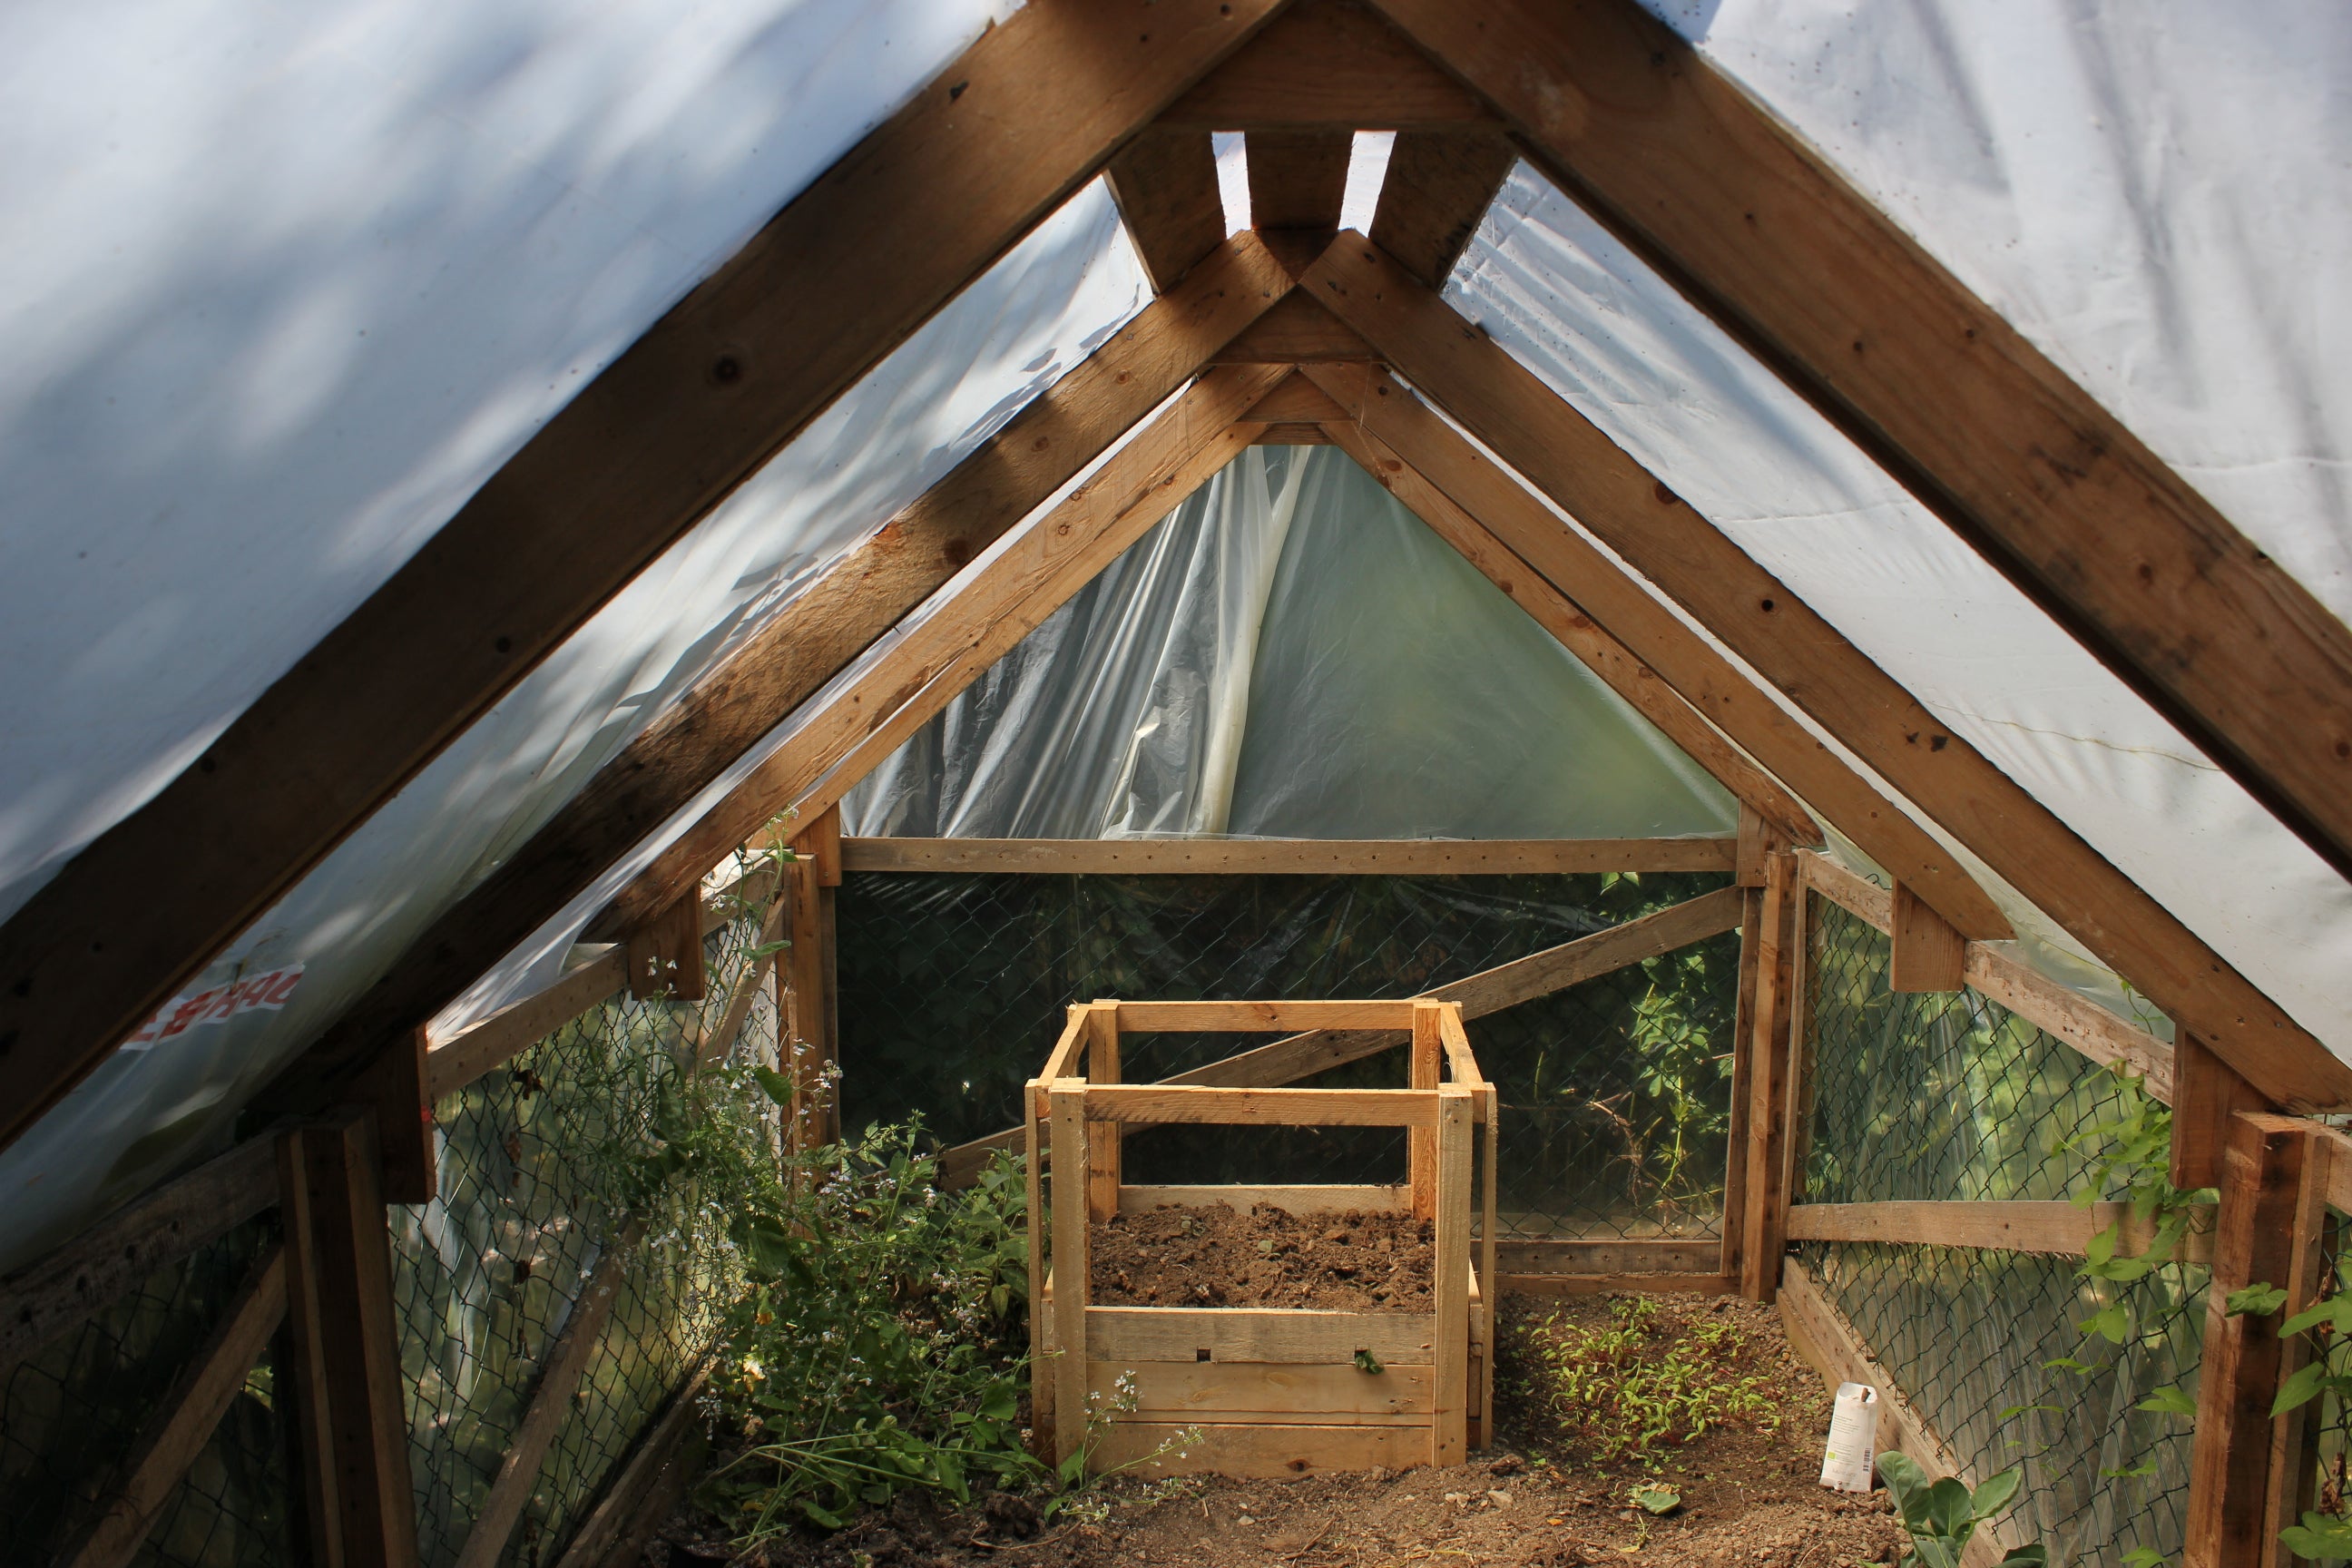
[1165, 184]
[551, 1401]
[2056, 1226]
[1311, 1198]
[1819, 1334]
[1279, 1334]
[1162, 1104]
[1103, 1138]
[1752, 225]
[1770, 1057]
[1928, 956]
[666, 956]
[1449, 1438]
[1032, 1134]
[1855, 894]
[1297, 331]
[608, 1523]
[1439, 186]
[1738, 1129]
[1287, 857]
[1144, 1017]
[46, 1298]
[1703, 1283]
[1574, 630]
[1607, 1255]
[2273, 1196]
[1424, 1054]
[806, 981]
[1461, 1062]
[520, 1025]
[1262, 1451]
[2208, 1095]
[1801, 655]
[1327, 64]
[1338, 1395]
[850, 605]
[184, 1419]
[714, 1048]
[1070, 1312]
[301, 1374]
[1297, 179]
[354, 1340]
[848, 269]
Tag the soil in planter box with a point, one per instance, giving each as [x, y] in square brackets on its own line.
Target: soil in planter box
[1213, 1256]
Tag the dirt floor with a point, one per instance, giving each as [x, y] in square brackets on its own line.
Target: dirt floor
[1216, 1256]
[1748, 1497]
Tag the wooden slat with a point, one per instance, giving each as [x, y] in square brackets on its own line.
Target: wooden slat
[1423, 1056]
[2274, 1192]
[1770, 1060]
[1606, 1255]
[1929, 954]
[1439, 184]
[1329, 64]
[1297, 179]
[1165, 182]
[722, 1039]
[851, 266]
[1067, 1099]
[1819, 1333]
[1251, 1450]
[1104, 1139]
[1034, 1240]
[44, 1299]
[1161, 1104]
[1800, 654]
[1738, 1130]
[1856, 895]
[516, 1027]
[1288, 857]
[356, 1349]
[1284, 1335]
[1264, 1392]
[1298, 1198]
[2207, 1095]
[1574, 630]
[806, 982]
[849, 605]
[1461, 1061]
[1144, 1017]
[1451, 1260]
[1539, 974]
[607, 1523]
[2056, 1226]
[184, 1419]
[551, 1401]
[1756, 227]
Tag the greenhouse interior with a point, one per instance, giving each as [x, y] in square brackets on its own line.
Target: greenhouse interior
[707, 700]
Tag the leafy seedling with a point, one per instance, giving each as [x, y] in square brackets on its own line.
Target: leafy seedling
[1656, 1500]
[1366, 1362]
[1942, 1516]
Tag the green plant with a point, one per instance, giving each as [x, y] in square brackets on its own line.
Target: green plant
[2325, 1327]
[1641, 1384]
[1942, 1516]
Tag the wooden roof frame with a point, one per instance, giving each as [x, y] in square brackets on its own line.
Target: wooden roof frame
[1634, 124]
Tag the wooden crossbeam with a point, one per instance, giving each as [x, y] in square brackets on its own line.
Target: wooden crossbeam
[856, 262]
[1327, 65]
[850, 605]
[1574, 630]
[1297, 401]
[1802, 655]
[1165, 182]
[1439, 184]
[1757, 229]
[1287, 857]
[2059, 1227]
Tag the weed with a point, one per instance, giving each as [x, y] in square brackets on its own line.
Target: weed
[1640, 1386]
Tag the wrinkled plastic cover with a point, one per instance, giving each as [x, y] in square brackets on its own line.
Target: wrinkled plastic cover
[1290, 654]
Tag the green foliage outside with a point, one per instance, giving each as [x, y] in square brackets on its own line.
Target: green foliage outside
[1943, 1516]
[1643, 1385]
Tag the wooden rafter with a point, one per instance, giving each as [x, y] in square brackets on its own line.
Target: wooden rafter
[1574, 630]
[846, 272]
[1439, 184]
[853, 603]
[1165, 182]
[1759, 230]
[1802, 655]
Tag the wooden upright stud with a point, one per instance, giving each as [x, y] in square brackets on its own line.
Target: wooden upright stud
[1929, 955]
[404, 1120]
[2274, 1198]
[1421, 1143]
[1743, 1071]
[1103, 1138]
[666, 952]
[1067, 1098]
[2205, 1093]
[1449, 1434]
[1767, 1196]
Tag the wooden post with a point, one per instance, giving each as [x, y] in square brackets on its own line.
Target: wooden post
[1929, 953]
[1490, 1284]
[805, 1016]
[404, 1120]
[1800, 1044]
[343, 1319]
[1449, 1436]
[1032, 1174]
[1750, 848]
[1767, 1102]
[1105, 1139]
[665, 953]
[1067, 1098]
[1736, 1135]
[302, 1372]
[1420, 1144]
[2205, 1093]
[2273, 1196]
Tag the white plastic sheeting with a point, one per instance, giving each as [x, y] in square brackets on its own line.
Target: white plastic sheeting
[1005, 339]
[1291, 654]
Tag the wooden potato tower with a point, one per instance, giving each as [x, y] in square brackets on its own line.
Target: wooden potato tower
[1272, 1391]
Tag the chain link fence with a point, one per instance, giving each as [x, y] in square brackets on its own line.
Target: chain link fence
[71, 1413]
[1616, 1092]
[1950, 1097]
[540, 1163]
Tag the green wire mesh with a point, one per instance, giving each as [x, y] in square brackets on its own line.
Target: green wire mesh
[535, 1162]
[1952, 1096]
[1616, 1092]
[70, 1414]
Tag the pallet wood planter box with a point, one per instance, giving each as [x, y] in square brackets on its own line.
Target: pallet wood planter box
[1271, 1391]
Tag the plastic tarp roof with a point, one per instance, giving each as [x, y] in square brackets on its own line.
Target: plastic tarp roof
[285, 284]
